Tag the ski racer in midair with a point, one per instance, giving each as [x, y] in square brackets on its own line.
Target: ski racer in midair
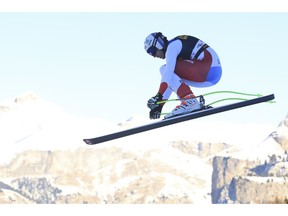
[189, 62]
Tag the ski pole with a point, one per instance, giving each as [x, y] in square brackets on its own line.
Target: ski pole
[215, 92]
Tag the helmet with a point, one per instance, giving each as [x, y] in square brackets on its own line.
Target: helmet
[153, 41]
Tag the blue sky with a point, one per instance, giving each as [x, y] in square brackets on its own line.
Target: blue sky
[94, 64]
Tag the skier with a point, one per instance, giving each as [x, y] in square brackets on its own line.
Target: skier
[189, 62]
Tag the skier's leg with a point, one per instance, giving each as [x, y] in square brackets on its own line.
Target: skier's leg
[201, 73]
[173, 83]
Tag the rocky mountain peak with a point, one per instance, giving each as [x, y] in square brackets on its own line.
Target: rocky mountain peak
[27, 97]
[280, 135]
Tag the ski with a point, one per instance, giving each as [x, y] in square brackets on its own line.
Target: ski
[177, 119]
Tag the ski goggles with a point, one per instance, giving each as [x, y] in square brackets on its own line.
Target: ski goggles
[152, 50]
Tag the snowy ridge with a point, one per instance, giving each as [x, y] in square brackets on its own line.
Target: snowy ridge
[31, 123]
[240, 135]
[270, 145]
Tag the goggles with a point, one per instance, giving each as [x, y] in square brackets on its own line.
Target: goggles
[152, 50]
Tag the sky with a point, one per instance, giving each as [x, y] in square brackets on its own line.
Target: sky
[93, 64]
[91, 61]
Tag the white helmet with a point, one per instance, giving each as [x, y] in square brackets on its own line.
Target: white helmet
[153, 41]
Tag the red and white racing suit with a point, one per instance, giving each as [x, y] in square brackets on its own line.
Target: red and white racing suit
[189, 62]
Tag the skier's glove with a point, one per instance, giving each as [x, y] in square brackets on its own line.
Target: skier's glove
[156, 112]
[152, 102]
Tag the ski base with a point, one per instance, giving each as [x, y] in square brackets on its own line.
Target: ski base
[177, 119]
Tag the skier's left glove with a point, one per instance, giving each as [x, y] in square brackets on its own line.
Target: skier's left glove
[152, 102]
[156, 112]
[155, 108]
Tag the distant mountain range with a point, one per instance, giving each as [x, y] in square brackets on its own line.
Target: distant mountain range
[44, 160]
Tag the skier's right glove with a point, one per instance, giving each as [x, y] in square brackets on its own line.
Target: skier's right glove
[152, 102]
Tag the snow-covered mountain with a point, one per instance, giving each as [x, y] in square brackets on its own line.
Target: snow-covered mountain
[40, 141]
[257, 174]
[28, 122]
[42, 144]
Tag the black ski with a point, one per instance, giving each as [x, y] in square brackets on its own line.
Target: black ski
[177, 119]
